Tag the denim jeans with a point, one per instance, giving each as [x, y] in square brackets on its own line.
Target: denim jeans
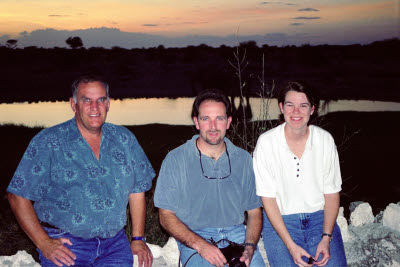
[305, 229]
[236, 234]
[114, 251]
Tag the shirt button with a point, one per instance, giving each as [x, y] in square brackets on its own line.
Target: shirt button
[298, 169]
[297, 175]
[298, 163]
[294, 157]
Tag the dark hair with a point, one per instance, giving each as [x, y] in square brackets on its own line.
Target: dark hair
[300, 87]
[88, 79]
[211, 95]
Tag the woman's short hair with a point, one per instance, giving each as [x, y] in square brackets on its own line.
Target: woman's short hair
[300, 87]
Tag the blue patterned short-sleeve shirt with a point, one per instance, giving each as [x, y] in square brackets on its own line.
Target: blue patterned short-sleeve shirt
[72, 189]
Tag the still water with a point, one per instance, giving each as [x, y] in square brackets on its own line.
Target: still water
[157, 110]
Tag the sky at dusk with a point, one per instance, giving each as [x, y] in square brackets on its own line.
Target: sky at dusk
[178, 23]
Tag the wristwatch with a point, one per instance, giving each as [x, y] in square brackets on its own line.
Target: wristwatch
[326, 234]
[139, 238]
[254, 246]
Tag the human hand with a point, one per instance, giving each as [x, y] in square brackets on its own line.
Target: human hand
[247, 255]
[324, 249]
[55, 251]
[212, 254]
[140, 248]
[297, 253]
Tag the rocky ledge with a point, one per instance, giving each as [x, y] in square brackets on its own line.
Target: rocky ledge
[368, 240]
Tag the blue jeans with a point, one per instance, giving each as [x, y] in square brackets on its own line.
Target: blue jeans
[236, 234]
[114, 251]
[305, 229]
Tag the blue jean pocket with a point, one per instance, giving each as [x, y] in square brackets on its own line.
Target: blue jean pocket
[54, 233]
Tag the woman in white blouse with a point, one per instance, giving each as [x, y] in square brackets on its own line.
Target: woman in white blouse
[298, 178]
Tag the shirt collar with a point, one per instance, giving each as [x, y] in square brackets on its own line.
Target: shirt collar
[282, 138]
[75, 134]
[73, 131]
[229, 145]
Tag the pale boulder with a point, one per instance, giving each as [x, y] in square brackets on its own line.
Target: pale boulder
[391, 217]
[170, 252]
[361, 215]
[343, 225]
[22, 258]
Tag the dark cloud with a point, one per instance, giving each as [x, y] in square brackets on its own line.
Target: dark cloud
[110, 37]
[4, 38]
[172, 24]
[296, 24]
[279, 3]
[193, 23]
[307, 18]
[308, 9]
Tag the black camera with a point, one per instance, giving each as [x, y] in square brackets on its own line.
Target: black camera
[232, 254]
[309, 260]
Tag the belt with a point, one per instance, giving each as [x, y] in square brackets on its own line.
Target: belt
[47, 225]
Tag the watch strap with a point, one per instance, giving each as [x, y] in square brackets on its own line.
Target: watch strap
[329, 235]
[139, 238]
[254, 246]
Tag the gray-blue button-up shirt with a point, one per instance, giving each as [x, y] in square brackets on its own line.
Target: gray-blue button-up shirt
[200, 202]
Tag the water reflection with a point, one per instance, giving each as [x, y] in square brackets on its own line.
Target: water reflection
[156, 110]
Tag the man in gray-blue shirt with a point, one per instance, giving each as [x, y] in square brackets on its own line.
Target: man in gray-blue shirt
[204, 188]
[81, 174]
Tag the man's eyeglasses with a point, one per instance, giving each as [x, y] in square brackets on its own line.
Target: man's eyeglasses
[213, 178]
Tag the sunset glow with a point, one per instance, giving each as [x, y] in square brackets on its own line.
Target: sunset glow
[359, 19]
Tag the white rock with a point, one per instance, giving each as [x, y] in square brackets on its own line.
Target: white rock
[170, 252]
[341, 212]
[22, 258]
[391, 217]
[387, 245]
[362, 215]
[155, 250]
[393, 264]
[262, 252]
[344, 227]
[157, 253]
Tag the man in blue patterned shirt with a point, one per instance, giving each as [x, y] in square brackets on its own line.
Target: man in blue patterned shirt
[80, 175]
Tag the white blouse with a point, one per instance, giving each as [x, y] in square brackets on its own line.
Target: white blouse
[298, 184]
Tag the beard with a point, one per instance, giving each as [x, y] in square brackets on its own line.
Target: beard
[213, 141]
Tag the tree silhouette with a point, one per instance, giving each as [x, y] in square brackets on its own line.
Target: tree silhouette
[12, 43]
[74, 42]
